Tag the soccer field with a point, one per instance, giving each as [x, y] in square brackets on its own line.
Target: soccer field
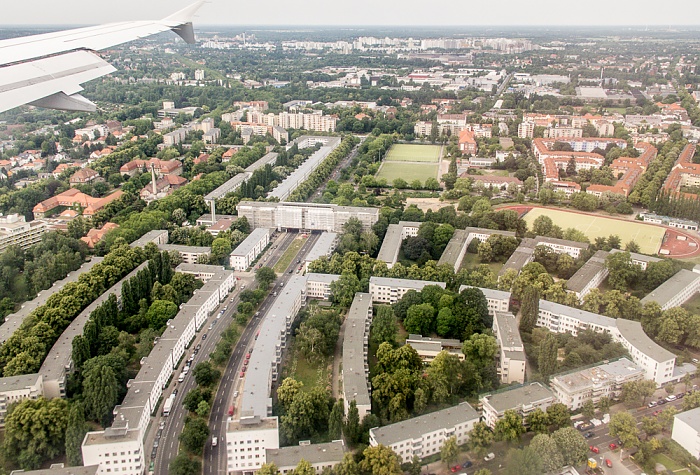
[413, 153]
[407, 171]
[648, 237]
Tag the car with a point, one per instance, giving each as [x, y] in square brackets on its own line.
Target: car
[490, 456]
[198, 347]
[204, 337]
[467, 464]
[175, 391]
[588, 434]
[159, 434]
[154, 452]
[613, 446]
[298, 261]
[585, 426]
[661, 402]
[242, 374]
[245, 362]
[290, 271]
[188, 363]
[245, 368]
[608, 463]
[670, 398]
[455, 469]
[231, 300]
[191, 358]
[656, 413]
[218, 316]
[594, 449]
[214, 441]
[680, 395]
[652, 404]
[211, 325]
[161, 425]
[257, 314]
[695, 360]
[155, 444]
[221, 312]
[235, 394]
[247, 356]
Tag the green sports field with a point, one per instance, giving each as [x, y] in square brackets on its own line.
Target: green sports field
[407, 171]
[648, 237]
[413, 153]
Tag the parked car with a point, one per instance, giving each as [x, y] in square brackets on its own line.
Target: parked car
[608, 463]
[594, 449]
[214, 441]
[652, 404]
[613, 446]
[490, 456]
[656, 413]
[242, 374]
[588, 434]
[670, 398]
[467, 464]
[585, 426]
[455, 469]
[680, 395]
[235, 394]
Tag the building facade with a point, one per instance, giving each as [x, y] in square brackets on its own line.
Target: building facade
[686, 431]
[389, 290]
[522, 399]
[245, 254]
[355, 347]
[511, 360]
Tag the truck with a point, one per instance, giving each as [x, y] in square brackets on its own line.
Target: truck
[167, 407]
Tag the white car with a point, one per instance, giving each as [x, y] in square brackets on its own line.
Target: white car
[235, 394]
[671, 398]
[214, 441]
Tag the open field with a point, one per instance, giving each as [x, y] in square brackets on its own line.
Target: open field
[413, 153]
[407, 171]
[648, 237]
[670, 464]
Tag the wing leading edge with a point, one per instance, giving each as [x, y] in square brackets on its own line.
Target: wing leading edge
[47, 70]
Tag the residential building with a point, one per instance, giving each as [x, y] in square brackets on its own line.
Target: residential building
[428, 348]
[305, 216]
[640, 260]
[247, 442]
[685, 173]
[422, 129]
[157, 237]
[454, 252]
[59, 469]
[161, 167]
[467, 142]
[521, 399]
[84, 176]
[424, 435]
[671, 222]
[324, 247]
[589, 276]
[563, 132]
[16, 389]
[563, 246]
[320, 456]
[16, 231]
[318, 286]
[497, 300]
[677, 290]
[523, 255]
[511, 360]
[245, 254]
[559, 318]
[73, 198]
[657, 362]
[355, 370]
[495, 182]
[390, 290]
[526, 130]
[686, 431]
[395, 234]
[574, 389]
[95, 235]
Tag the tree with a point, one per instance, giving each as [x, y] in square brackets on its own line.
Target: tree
[572, 446]
[184, 465]
[205, 374]
[336, 420]
[510, 427]
[480, 438]
[523, 462]
[100, 392]
[351, 429]
[635, 393]
[547, 356]
[604, 404]
[623, 425]
[304, 468]
[384, 326]
[538, 421]
[203, 409]
[265, 276]
[548, 450]
[666, 416]
[420, 319]
[529, 308]
[559, 415]
[449, 451]
[622, 272]
[160, 312]
[651, 426]
[380, 460]
[75, 433]
[268, 469]
[194, 435]
[288, 390]
[588, 409]
[344, 289]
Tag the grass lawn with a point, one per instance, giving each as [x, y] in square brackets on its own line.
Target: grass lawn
[407, 171]
[312, 373]
[472, 260]
[670, 464]
[413, 153]
[648, 237]
[289, 255]
[693, 305]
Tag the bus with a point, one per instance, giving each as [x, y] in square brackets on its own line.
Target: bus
[167, 407]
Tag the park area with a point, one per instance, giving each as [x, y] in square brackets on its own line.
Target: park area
[648, 237]
[410, 162]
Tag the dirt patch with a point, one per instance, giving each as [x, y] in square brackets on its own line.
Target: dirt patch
[424, 204]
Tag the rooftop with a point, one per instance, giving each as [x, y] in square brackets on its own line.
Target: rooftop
[522, 255]
[257, 235]
[323, 246]
[519, 396]
[415, 427]
[632, 332]
[580, 315]
[91, 470]
[390, 246]
[692, 418]
[508, 333]
[355, 384]
[608, 372]
[585, 274]
[489, 293]
[454, 248]
[325, 278]
[313, 453]
[403, 283]
[18, 383]
[669, 289]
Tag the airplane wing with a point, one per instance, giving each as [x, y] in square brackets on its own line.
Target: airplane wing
[47, 70]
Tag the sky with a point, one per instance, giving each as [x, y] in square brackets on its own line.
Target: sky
[361, 12]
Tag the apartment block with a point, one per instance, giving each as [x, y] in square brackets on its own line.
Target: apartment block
[324, 247]
[589, 276]
[247, 442]
[511, 360]
[318, 286]
[497, 300]
[305, 216]
[574, 389]
[246, 252]
[686, 431]
[320, 456]
[18, 388]
[522, 399]
[677, 290]
[389, 290]
[424, 435]
[16, 231]
[428, 348]
[395, 234]
[355, 347]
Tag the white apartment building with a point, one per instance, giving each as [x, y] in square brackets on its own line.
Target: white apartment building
[559, 318]
[247, 441]
[563, 246]
[389, 290]
[320, 456]
[563, 132]
[686, 431]
[657, 362]
[428, 348]
[497, 300]
[677, 290]
[318, 286]
[422, 128]
[324, 247]
[457, 247]
[640, 260]
[526, 130]
[18, 388]
[424, 435]
[243, 256]
[522, 399]
[355, 347]
[305, 216]
[15, 231]
[591, 384]
[589, 276]
[511, 360]
[395, 234]
[188, 254]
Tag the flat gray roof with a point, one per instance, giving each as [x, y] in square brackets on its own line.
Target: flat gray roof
[454, 248]
[198, 268]
[297, 177]
[59, 357]
[91, 470]
[562, 242]
[268, 159]
[391, 244]
[150, 236]
[489, 293]
[520, 257]
[632, 332]
[15, 383]
[585, 274]
[638, 257]
[581, 315]
[185, 249]
[314, 453]
[404, 283]
[231, 185]
[273, 327]
[475, 230]
[516, 397]
[669, 289]
[509, 334]
[355, 384]
[417, 426]
[323, 247]
[326, 278]
[612, 371]
[250, 242]
[14, 320]
[692, 418]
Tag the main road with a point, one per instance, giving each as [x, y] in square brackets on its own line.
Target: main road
[215, 457]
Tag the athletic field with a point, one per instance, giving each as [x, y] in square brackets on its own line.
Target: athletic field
[649, 237]
[407, 171]
[413, 153]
